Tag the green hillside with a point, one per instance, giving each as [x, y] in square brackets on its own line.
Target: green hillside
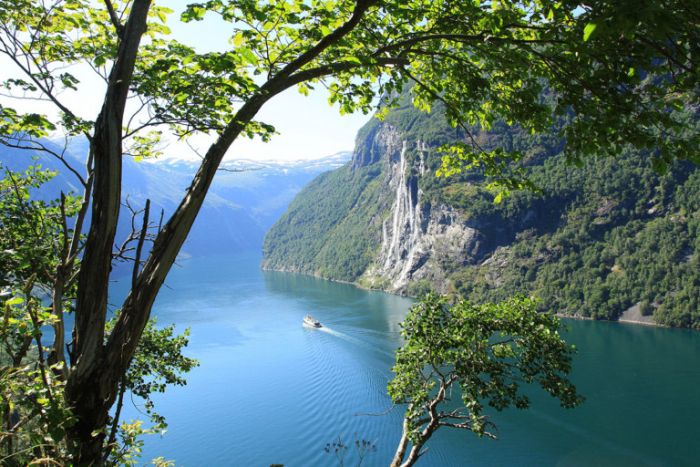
[598, 240]
[324, 231]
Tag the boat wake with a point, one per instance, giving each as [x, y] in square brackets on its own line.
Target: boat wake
[354, 340]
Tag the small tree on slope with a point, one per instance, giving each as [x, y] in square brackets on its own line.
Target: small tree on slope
[458, 358]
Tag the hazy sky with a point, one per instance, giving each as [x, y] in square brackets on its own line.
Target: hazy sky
[308, 127]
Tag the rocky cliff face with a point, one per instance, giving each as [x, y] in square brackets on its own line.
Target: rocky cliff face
[418, 238]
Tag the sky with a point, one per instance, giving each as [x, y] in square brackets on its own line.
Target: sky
[308, 127]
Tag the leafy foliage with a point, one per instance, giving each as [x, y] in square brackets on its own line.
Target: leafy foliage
[32, 229]
[157, 364]
[34, 416]
[483, 354]
[34, 237]
[625, 71]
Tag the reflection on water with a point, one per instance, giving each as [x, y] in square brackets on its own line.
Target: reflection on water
[272, 391]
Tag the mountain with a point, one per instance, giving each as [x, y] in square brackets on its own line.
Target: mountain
[612, 239]
[244, 201]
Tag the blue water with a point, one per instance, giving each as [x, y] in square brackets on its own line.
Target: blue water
[271, 391]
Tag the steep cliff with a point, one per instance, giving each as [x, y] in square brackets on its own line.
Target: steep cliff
[601, 239]
[417, 236]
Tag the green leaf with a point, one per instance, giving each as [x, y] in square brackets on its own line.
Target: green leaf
[248, 56]
[15, 301]
[238, 38]
[588, 31]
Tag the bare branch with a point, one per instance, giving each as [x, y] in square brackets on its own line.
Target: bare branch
[26, 69]
[80, 219]
[139, 247]
[30, 144]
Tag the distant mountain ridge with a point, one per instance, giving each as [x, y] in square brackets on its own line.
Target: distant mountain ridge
[245, 199]
[332, 161]
[612, 239]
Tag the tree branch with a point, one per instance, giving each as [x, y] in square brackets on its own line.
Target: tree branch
[136, 307]
[118, 26]
[38, 146]
[139, 247]
[461, 38]
[361, 6]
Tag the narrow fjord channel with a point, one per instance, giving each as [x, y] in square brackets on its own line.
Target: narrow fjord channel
[271, 391]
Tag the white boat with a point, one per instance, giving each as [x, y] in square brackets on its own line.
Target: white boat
[311, 322]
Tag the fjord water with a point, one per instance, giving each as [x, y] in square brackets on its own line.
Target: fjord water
[271, 391]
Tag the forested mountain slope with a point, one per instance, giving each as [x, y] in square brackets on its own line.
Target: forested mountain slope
[609, 237]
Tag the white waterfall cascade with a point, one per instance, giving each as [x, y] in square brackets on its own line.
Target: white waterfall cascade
[415, 236]
[399, 246]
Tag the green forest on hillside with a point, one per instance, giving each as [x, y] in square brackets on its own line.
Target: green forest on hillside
[615, 233]
[598, 238]
[327, 235]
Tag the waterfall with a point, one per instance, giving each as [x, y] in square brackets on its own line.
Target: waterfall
[399, 245]
[415, 239]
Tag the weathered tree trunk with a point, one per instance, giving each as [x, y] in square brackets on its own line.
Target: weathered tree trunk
[86, 392]
[413, 455]
[93, 380]
[415, 452]
[432, 422]
[403, 446]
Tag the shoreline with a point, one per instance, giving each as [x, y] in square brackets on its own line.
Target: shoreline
[316, 276]
[558, 315]
[620, 320]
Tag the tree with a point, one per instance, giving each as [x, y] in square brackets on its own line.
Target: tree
[624, 71]
[34, 238]
[478, 355]
[31, 241]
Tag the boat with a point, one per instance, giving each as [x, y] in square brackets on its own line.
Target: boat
[311, 322]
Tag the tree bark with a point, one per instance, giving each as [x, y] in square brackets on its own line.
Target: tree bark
[93, 381]
[432, 422]
[403, 446]
[416, 448]
[86, 394]
[414, 454]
